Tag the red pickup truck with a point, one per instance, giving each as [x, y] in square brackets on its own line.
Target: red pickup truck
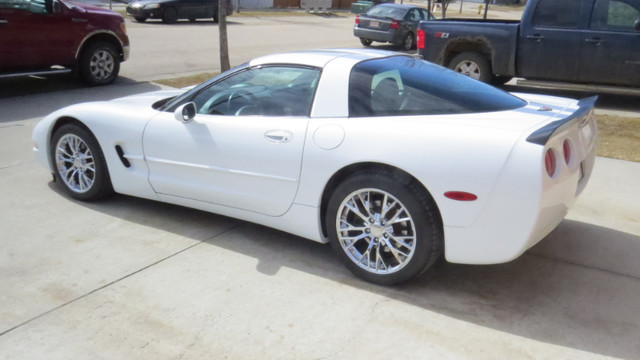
[54, 36]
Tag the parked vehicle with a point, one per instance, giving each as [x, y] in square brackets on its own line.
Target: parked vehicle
[58, 36]
[577, 41]
[392, 23]
[391, 159]
[171, 11]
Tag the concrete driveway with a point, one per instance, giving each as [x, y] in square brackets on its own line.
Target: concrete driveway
[134, 279]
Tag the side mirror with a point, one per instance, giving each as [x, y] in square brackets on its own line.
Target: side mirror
[185, 112]
[636, 24]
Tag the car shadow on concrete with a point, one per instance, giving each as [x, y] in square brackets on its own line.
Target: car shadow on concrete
[55, 92]
[578, 288]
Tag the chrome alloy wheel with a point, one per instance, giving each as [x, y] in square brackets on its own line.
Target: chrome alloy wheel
[469, 68]
[376, 231]
[101, 64]
[75, 163]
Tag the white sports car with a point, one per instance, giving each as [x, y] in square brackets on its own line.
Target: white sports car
[389, 158]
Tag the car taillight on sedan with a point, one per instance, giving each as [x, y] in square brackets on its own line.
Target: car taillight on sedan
[357, 19]
[394, 24]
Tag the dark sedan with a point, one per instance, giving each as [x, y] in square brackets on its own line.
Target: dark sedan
[392, 23]
[172, 10]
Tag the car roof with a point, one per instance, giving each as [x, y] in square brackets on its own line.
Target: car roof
[320, 58]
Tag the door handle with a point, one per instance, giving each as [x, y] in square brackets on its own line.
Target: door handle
[4, 21]
[279, 136]
[535, 37]
[594, 41]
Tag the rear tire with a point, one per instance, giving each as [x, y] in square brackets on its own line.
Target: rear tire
[384, 227]
[366, 42]
[408, 42]
[472, 64]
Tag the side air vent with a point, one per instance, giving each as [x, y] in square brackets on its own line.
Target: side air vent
[124, 160]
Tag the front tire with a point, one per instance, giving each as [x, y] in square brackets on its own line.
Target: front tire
[79, 163]
[385, 228]
[99, 64]
[170, 15]
[472, 64]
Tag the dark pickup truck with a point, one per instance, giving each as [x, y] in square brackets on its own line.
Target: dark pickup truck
[572, 41]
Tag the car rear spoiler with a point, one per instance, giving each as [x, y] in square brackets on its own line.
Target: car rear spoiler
[542, 135]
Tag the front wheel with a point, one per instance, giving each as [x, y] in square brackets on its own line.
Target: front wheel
[472, 64]
[385, 228]
[99, 64]
[170, 15]
[79, 163]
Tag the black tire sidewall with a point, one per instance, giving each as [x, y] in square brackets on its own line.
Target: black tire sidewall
[102, 183]
[404, 42]
[85, 63]
[422, 209]
[480, 60]
[169, 15]
[366, 42]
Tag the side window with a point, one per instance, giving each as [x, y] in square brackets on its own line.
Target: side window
[557, 14]
[615, 15]
[34, 6]
[401, 85]
[414, 15]
[266, 91]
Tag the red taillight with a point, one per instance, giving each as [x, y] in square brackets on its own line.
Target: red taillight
[550, 162]
[420, 39]
[566, 151]
[357, 19]
[394, 24]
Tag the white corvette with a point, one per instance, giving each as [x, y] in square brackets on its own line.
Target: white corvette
[391, 159]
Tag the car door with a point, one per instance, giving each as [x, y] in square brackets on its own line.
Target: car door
[411, 21]
[36, 34]
[550, 44]
[611, 45]
[244, 147]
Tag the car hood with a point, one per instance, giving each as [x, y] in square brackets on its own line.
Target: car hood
[145, 2]
[148, 99]
[86, 8]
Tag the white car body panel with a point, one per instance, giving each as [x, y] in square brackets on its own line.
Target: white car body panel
[229, 166]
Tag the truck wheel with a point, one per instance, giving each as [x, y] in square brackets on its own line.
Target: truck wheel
[472, 64]
[99, 64]
[169, 16]
[365, 42]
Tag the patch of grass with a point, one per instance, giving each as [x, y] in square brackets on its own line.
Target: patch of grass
[619, 137]
[184, 81]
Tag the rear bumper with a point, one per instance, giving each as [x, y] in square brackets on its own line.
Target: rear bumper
[391, 36]
[526, 204]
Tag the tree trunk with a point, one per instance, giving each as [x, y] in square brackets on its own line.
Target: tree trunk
[222, 30]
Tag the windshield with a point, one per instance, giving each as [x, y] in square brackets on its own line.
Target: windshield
[402, 85]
